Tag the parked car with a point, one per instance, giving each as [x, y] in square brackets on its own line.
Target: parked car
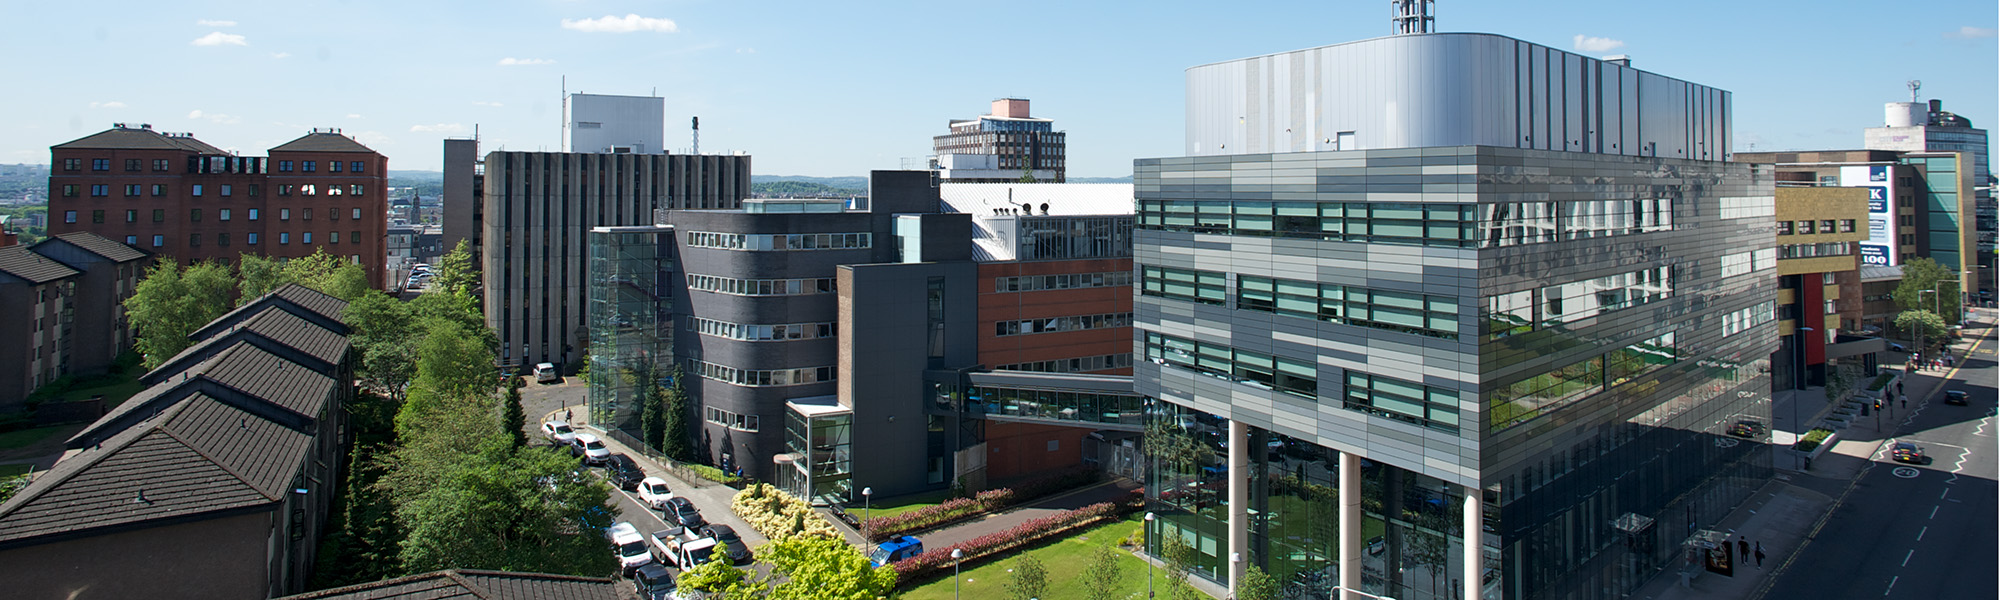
[654, 582]
[680, 512]
[653, 491]
[592, 450]
[896, 549]
[1377, 545]
[730, 543]
[682, 547]
[558, 432]
[1955, 397]
[629, 546]
[1907, 452]
[546, 373]
[1746, 429]
[622, 472]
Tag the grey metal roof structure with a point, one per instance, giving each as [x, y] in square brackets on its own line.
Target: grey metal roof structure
[454, 584]
[244, 376]
[126, 138]
[21, 262]
[108, 248]
[272, 329]
[323, 141]
[304, 302]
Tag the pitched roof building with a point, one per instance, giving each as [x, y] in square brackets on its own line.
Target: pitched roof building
[108, 273]
[471, 584]
[35, 295]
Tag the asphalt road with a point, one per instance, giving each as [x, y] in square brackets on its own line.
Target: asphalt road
[1923, 531]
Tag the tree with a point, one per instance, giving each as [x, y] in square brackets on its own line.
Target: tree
[453, 273]
[821, 568]
[652, 402]
[451, 364]
[320, 271]
[674, 422]
[173, 302]
[1925, 324]
[1029, 579]
[719, 577]
[1928, 285]
[381, 332]
[1101, 574]
[1180, 561]
[512, 416]
[1257, 585]
[1429, 548]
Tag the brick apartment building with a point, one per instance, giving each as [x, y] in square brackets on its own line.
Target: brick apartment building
[174, 195]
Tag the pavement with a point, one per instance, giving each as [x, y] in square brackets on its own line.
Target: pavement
[1851, 525]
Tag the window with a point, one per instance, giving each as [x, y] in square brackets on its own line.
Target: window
[284, 166]
[133, 189]
[306, 238]
[159, 215]
[97, 216]
[353, 237]
[132, 240]
[250, 238]
[72, 164]
[100, 164]
[1826, 279]
[225, 189]
[333, 166]
[222, 239]
[308, 190]
[161, 164]
[253, 190]
[194, 239]
[284, 238]
[355, 167]
[159, 189]
[285, 190]
[222, 214]
[159, 240]
[354, 190]
[253, 214]
[132, 164]
[69, 190]
[306, 213]
[131, 216]
[196, 191]
[284, 214]
[1784, 228]
[333, 214]
[334, 236]
[1847, 225]
[1804, 227]
[306, 166]
[194, 215]
[100, 190]
[69, 216]
[1826, 226]
[357, 214]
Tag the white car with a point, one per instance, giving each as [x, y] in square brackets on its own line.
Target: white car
[593, 450]
[629, 545]
[653, 491]
[559, 432]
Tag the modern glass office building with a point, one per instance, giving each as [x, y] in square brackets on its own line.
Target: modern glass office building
[631, 333]
[1418, 290]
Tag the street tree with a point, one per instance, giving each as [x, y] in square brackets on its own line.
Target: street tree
[452, 364]
[1929, 286]
[821, 568]
[1180, 562]
[674, 428]
[1028, 580]
[173, 302]
[1925, 324]
[652, 402]
[1101, 574]
[1257, 585]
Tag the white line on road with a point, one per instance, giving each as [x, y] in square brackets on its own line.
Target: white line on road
[1906, 557]
[1920, 534]
[1892, 584]
[1933, 512]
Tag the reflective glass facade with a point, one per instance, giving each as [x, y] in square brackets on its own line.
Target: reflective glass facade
[631, 328]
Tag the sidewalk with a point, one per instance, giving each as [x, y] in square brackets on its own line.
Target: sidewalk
[1108, 491]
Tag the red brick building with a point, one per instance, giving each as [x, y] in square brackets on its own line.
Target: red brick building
[177, 196]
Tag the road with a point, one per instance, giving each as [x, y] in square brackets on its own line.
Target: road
[1916, 531]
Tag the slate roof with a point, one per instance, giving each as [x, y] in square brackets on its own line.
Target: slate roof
[455, 584]
[273, 324]
[244, 376]
[326, 309]
[125, 138]
[19, 261]
[108, 248]
[198, 457]
[323, 142]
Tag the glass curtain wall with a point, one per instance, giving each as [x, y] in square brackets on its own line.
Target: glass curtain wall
[820, 445]
[630, 330]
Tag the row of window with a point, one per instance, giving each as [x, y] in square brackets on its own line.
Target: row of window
[760, 378]
[1081, 364]
[1534, 396]
[1816, 250]
[133, 190]
[760, 333]
[779, 241]
[221, 214]
[1515, 313]
[1292, 376]
[251, 238]
[1735, 322]
[1808, 227]
[332, 166]
[1066, 281]
[760, 287]
[1743, 263]
[1406, 312]
[313, 190]
[731, 420]
[1059, 324]
[1433, 407]
[1449, 225]
[1746, 207]
[104, 164]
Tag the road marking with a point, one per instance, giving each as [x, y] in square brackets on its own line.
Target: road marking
[1892, 584]
[1904, 472]
[1942, 494]
[1906, 557]
[1933, 513]
[1920, 534]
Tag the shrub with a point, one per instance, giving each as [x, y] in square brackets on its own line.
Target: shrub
[936, 560]
[982, 503]
[1880, 382]
[712, 474]
[778, 515]
[1812, 439]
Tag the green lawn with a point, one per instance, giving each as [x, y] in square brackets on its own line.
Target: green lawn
[1064, 559]
[12, 470]
[900, 504]
[28, 437]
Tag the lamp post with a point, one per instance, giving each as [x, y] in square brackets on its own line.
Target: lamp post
[867, 509]
[1799, 339]
[1149, 564]
[956, 554]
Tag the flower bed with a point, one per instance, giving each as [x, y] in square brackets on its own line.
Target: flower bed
[777, 514]
[1812, 439]
[936, 560]
[985, 502]
[1880, 382]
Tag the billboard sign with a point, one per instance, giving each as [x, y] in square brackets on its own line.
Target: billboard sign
[1880, 247]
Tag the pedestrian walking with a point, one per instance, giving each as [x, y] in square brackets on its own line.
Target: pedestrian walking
[1742, 548]
[1760, 556]
[569, 415]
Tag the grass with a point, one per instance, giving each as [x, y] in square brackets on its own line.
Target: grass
[115, 392]
[13, 470]
[901, 504]
[1064, 558]
[29, 437]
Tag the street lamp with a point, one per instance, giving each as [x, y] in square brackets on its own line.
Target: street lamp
[867, 508]
[1799, 340]
[1149, 564]
[956, 554]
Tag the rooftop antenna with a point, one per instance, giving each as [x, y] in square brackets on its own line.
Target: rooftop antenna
[562, 137]
[1914, 86]
[697, 136]
[1411, 16]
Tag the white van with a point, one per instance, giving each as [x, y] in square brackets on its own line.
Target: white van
[546, 372]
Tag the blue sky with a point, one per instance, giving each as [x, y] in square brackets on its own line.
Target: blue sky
[838, 88]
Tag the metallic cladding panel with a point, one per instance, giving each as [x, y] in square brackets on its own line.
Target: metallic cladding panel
[1434, 90]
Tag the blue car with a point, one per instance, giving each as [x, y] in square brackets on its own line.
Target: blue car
[895, 549]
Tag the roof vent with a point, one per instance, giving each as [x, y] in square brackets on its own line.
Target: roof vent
[142, 498]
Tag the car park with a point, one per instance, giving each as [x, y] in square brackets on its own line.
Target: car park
[1906, 452]
[1955, 397]
[592, 450]
[730, 543]
[558, 432]
[654, 493]
[629, 546]
[622, 472]
[681, 513]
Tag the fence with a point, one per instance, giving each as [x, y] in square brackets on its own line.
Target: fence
[691, 476]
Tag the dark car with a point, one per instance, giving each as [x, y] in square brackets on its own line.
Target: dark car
[653, 582]
[622, 472]
[1746, 429]
[681, 512]
[1907, 452]
[726, 538]
[1955, 397]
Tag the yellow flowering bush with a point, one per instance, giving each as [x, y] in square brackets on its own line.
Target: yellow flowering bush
[778, 515]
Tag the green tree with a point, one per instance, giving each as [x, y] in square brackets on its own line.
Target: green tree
[1180, 562]
[652, 402]
[1101, 574]
[1029, 579]
[382, 333]
[1429, 548]
[173, 302]
[674, 428]
[1027, 171]
[320, 271]
[512, 417]
[454, 272]
[451, 364]
[1257, 585]
[1928, 286]
[1927, 325]
[719, 577]
[820, 568]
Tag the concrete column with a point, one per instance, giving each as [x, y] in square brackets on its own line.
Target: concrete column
[1473, 529]
[1239, 502]
[1350, 526]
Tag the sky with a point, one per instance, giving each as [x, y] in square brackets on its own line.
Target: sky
[840, 88]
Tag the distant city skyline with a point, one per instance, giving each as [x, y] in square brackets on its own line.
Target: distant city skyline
[830, 90]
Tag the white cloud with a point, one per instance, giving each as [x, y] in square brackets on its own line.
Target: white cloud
[1970, 32]
[1586, 43]
[485, 103]
[217, 118]
[195, 115]
[746, 50]
[215, 23]
[281, 55]
[111, 104]
[353, 115]
[626, 24]
[523, 62]
[438, 128]
[217, 38]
